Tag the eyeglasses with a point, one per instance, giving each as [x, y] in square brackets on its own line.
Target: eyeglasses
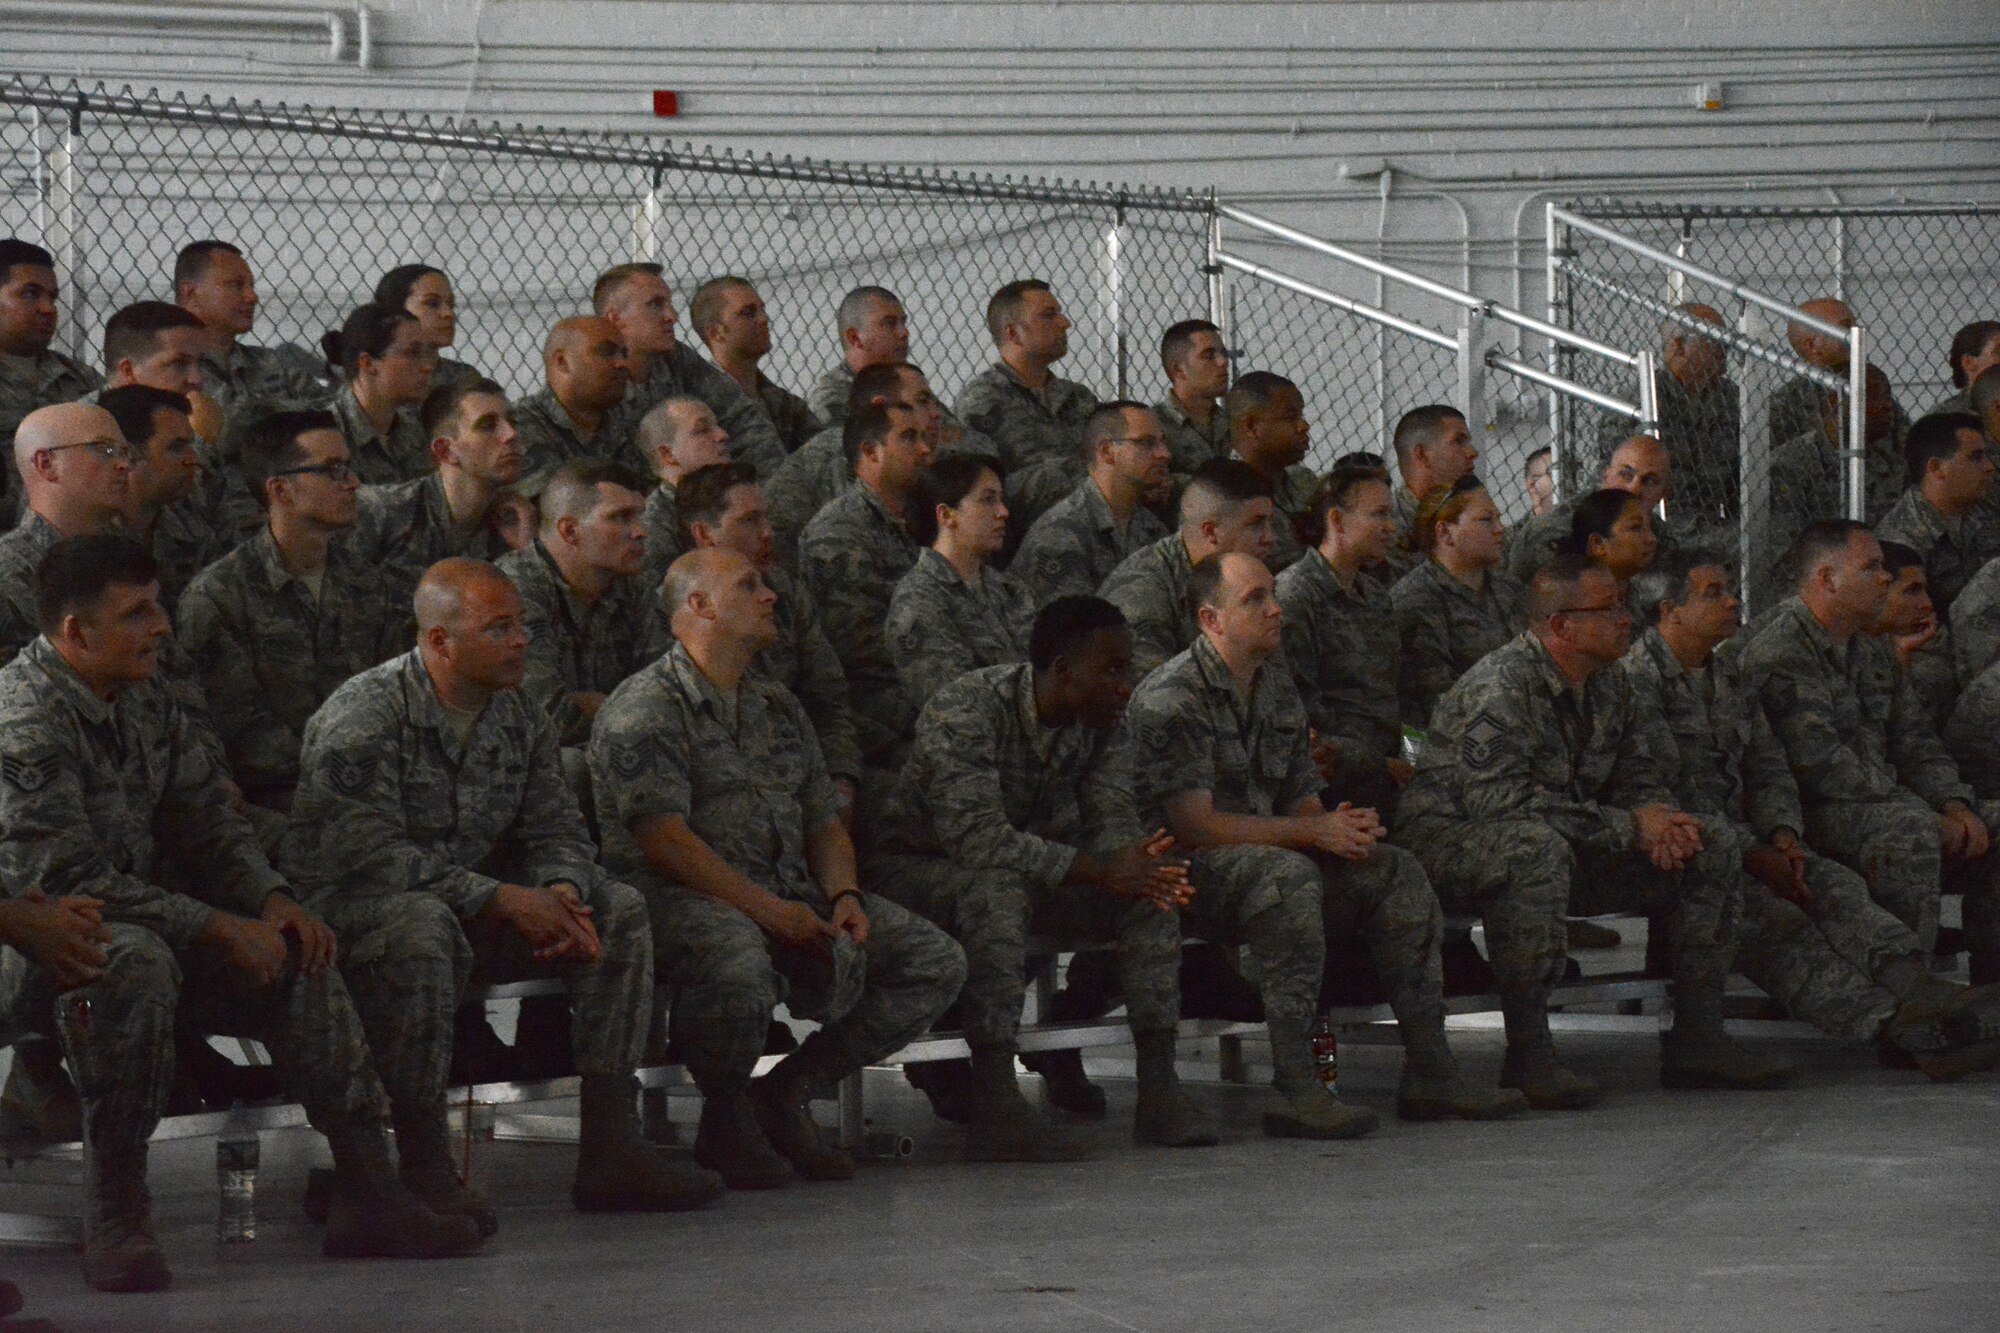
[337, 471]
[1615, 609]
[110, 451]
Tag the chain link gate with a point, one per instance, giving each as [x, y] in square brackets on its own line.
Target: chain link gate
[324, 203]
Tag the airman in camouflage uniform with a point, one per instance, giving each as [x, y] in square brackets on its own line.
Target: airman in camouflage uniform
[1434, 447]
[690, 769]
[1033, 417]
[162, 507]
[1942, 515]
[940, 626]
[109, 793]
[1015, 814]
[1971, 733]
[434, 828]
[32, 373]
[1641, 466]
[578, 415]
[1267, 423]
[1225, 764]
[1342, 649]
[73, 468]
[1700, 423]
[1072, 549]
[1443, 627]
[874, 330]
[1197, 366]
[731, 320]
[402, 453]
[1536, 795]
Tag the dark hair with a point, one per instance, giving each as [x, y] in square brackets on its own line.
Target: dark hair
[1179, 338]
[703, 495]
[1065, 625]
[705, 306]
[1420, 425]
[1665, 580]
[1543, 452]
[191, 264]
[617, 276]
[132, 406]
[1104, 423]
[1005, 306]
[1823, 537]
[370, 330]
[396, 285]
[134, 332]
[1970, 341]
[78, 571]
[272, 445]
[1231, 480]
[947, 481]
[1935, 437]
[442, 404]
[1896, 557]
[874, 382]
[1555, 583]
[1254, 392]
[1335, 491]
[867, 424]
[1594, 516]
[17, 253]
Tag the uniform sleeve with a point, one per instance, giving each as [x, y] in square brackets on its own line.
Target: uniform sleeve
[1145, 608]
[836, 573]
[1051, 562]
[1109, 801]
[639, 756]
[818, 801]
[926, 641]
[821, 689]
[199, 825]
[1919, 756]
[543, 684]
[1301, 659]
[1424, 665]
[1770, 791]
[550, 829]
[982, 408]
[1498, 779]
[1796, 700]
[1172, 749]
[220, 649]
[793, 494]
[957, 751]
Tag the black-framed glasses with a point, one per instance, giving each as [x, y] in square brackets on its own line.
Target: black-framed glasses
[337, 471]
[111, 451]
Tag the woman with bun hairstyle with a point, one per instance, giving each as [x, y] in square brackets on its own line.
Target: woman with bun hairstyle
[386, 364]
[1460, 603]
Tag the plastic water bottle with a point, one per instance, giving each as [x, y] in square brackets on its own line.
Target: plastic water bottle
[236, 1180]
[1326, 1056]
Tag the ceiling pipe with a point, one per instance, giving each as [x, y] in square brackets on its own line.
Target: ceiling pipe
[357, 44]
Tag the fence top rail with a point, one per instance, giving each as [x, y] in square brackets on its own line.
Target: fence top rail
[609, 149]
[1630, 209]
[1358, 308]
[1722, 333]
[1693, 270]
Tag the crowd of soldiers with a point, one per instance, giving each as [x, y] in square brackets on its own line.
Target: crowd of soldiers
[334, 685]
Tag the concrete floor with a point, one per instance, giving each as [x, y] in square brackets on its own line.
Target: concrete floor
[1864, 1199]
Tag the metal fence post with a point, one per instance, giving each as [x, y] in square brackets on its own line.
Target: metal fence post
[1556, 250]
[1114, 290]
[1856, 471]
[1218, 314]
[1649, 395]
[1472, 374]
[65, 236]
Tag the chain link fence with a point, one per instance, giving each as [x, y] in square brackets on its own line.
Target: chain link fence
[523, 220]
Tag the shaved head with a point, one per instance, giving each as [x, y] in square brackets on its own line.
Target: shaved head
[1819, 348]
[448, 585]
[700, 570]
[61, 425]
[574, 334]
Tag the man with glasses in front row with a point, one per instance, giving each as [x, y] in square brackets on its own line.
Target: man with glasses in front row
[76, 473]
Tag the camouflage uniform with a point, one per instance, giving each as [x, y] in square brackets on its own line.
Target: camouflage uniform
[803, 485]
[1523, 783]
[746, 775]
[680, 370]
[20, 551]
[1870, 770]
[1073, 548]
[1443, 627]
[790, 418]
[1715, 747]
[851, 557]
[400, 454]
[1151, 587]
[1703, 436]
[940, 627]
[403, 530]
[1291, 499]
[550, 437]
[575, 648]
[1953, 549]
[118, 801]
[1192, 732]
[1806, 472]
[184, 541]
[1403, 553]
[449, 374]
[1534, 543]
[1188, 445]
[1039, 433]
[402, 838]
[1341, 648]
[827, 399]
[1973, 731]
[28, 383]
[804, 662]
[991, 810]
[269, 653]
[1975, 624]
[662, 518]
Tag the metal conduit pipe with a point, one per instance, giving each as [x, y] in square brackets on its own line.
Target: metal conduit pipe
[1721, 333]
[334, 22]
[1536, 375]
[1358, 308]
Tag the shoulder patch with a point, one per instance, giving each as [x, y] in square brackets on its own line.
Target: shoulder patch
[350, 774]
[1479, 745]
[28, 776]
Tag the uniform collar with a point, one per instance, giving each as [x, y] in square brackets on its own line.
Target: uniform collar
[81, 697]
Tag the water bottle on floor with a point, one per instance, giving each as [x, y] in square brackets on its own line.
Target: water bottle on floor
[236, 1181]
[1326, 1056]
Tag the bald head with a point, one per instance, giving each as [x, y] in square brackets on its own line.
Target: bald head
[699, 571]
[576, 332]
[1821, 350]
[584, 357]
[75, 466]
[450, 587]
[60, 427]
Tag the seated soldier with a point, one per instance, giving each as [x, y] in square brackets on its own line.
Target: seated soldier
[1191, 417]
[163, 505]
[732, 322]
[277, 625]
[873, 331]
[1881, 794]
[1014, 814]
[426, 293]
[1267, 424]
[386, 365]
[1811, 936]
[1916, 636]
[1638, 467]
[1434, 448]
[1225, 508]
[1612, 530]
[1459, 604]
[1809, 466]
[1795, 407]
[639, 306]
[76, 477]
[1535, 793]
[851, 557]
[1941, 515]
[721, 507]
[575, 416]
[1223, 761]
[1073, 548]
[1969, 737]
[1340, 636]
[1975, 612]
[110, 794]
[588, 607]
[953, 612]
[1975, 348]
[1033, 416]
[32, 373]
[159, 345]
[675, 437]
[407, 527]
[434, 829]
[714, 800]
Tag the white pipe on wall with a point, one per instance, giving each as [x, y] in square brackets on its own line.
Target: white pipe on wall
[332, 21]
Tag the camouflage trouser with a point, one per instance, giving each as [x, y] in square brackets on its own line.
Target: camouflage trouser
[1389, 904]
[1519, 875]
[1979, 881]
[118, 1033]
[408, 959]
[1896, 848]
[1269, 899]
[727, 977]
[991, 912]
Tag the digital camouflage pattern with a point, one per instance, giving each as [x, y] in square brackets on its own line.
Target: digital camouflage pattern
[941, 626]
[578, 648]
[1952, 549]
[1190, 445]
[851, 557]
[29, 383]
[1071, 550]
[550, 437]
[1443, 627]
[1150, 587]
[1038, 434]
[804, 662]
[1342, 649]
[401, 453]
